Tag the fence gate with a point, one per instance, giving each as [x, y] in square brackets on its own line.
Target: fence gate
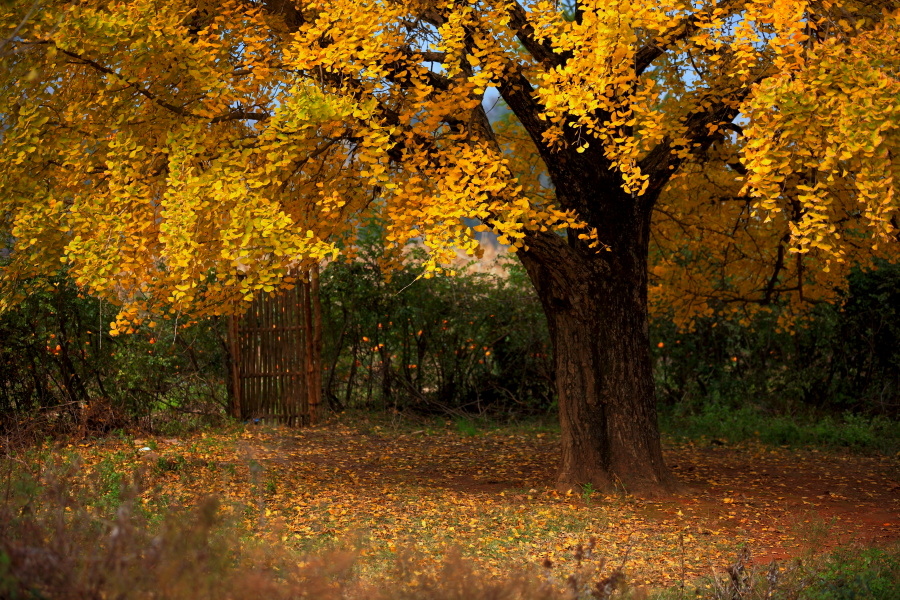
[275, 350]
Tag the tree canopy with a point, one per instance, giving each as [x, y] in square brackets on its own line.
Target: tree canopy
[161, 148]
[809, 188]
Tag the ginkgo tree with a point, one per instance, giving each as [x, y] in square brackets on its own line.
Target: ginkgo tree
[182, 155]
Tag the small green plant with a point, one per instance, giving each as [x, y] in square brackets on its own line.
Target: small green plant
[110, 482]
[813, 530]
[7, 580]
[587, 492]
[466, 427]
[171, 464]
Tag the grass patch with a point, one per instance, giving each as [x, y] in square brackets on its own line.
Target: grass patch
[466, 426]
[737, 424]
[857, 573]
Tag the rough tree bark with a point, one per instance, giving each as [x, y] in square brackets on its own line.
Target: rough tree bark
[596, 307]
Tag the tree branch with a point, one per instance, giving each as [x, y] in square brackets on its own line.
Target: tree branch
[650, 52]
[238, 114]
[779, 265]
[15, 32]
[542, 51]
[661, 162]
[516, 91]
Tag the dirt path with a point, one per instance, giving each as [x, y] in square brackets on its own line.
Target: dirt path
[831, 498]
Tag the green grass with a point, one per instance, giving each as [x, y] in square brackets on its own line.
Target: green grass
[466, 427]
[736, 424]
[848, 574]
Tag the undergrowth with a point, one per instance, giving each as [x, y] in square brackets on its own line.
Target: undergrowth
[737, 424]
[852, 573]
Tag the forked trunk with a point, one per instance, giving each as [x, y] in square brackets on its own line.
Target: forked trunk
[596, 307]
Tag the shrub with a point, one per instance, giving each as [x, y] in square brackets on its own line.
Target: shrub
[473, 343]
[844, 357]
[60, 369]
[848, 574]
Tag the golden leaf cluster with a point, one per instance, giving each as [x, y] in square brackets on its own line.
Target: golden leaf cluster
[184, 155]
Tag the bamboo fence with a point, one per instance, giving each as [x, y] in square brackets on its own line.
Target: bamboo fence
[275, 349]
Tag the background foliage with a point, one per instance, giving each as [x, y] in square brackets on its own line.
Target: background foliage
[844, 357]
[471, 345]
[476, 343]
[60, 367]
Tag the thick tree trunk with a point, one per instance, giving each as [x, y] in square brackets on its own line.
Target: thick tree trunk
[596, 306]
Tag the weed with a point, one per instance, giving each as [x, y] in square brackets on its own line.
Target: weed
[171, 464]
[466, 426]
[110, 481]
[587, 492]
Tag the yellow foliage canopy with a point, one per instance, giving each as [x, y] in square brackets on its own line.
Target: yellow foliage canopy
[809, 188]
[186, 154]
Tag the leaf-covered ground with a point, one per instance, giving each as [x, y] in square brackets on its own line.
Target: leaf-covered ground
[385, 487]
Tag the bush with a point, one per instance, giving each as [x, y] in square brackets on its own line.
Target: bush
[853, 574]
[473, 343]
[479, 343]
[848, 574]
[845, 357]
[59, 367]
